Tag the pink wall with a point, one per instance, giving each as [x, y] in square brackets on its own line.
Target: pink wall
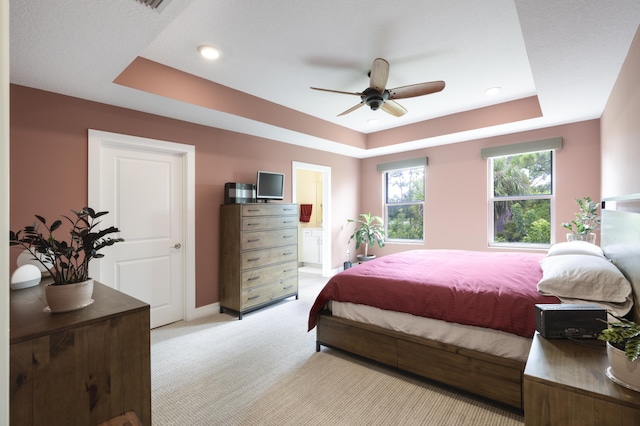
[456, 207]
[620, 125]
[49, 167]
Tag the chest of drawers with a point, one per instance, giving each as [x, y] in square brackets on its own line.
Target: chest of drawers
[81, 367]
[258, 255]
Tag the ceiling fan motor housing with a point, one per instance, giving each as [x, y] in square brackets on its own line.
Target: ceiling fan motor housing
[373, 98]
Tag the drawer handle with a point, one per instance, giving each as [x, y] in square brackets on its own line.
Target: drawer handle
[253, 259]
[287, 287]
[253, 297]
[287, 209]
[253, 278]
[287, 253]
[288, 270]
[287, 236]
[253, 210]
[252, 224]
[254, 240]
[287, 221]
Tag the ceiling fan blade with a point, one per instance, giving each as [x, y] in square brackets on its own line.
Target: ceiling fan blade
[337, 91]
[416, 90]
[379, 74]
[353, 108]
[393, 108]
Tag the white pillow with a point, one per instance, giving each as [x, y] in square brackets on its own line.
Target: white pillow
[575, 247]
[584, 277]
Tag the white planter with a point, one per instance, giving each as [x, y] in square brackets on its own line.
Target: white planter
[622, 371]
[68, 297]
[363, 258]
[590, 237]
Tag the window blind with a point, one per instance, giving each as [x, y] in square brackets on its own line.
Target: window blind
[521, 148]
[402, 164]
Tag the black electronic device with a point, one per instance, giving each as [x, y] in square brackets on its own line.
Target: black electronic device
[269, 186]
[237, 193]
[576, 321]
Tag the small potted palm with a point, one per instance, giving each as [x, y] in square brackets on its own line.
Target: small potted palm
[586, 221]
[66, 261]
[369, 231]
[623, 350]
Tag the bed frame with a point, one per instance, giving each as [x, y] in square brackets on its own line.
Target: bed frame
[490, 376]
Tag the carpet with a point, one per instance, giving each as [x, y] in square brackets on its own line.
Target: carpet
[264, 370]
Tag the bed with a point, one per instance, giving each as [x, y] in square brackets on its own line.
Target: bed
[378, 310]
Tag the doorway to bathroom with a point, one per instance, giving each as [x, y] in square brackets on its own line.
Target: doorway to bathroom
[311, 187]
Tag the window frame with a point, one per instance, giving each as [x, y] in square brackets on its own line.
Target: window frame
[387, 204]
[492, 199]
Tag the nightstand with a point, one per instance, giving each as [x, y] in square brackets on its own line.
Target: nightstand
[565, 384]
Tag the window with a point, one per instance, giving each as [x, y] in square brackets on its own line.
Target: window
[521, 199]
[404, 204]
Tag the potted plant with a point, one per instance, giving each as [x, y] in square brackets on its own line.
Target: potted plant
[623, 349]
[369, 231]
[67, 261]
[586, 221]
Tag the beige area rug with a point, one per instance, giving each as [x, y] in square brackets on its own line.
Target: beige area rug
[264, 370]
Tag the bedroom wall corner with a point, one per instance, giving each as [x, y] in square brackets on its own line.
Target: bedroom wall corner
[620, 129]
[49, 131]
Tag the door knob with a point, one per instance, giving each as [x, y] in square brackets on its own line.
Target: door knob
[177, 246]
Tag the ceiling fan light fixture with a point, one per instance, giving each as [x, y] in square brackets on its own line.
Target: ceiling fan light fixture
[491, 91]
[208, 52]
[375, 103]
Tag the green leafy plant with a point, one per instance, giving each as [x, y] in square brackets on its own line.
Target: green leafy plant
[68, 262]
[624, 335]
[587, 218]
[369, 231]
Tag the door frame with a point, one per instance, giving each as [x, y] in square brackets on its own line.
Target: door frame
[98, 140]
[326, 207]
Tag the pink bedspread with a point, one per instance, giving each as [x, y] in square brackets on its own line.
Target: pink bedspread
[486, 289]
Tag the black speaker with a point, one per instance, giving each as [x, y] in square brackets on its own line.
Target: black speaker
[576, 321]
[236, 193]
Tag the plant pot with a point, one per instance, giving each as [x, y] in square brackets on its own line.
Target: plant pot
[590, 237]
[68, 297]
[622, 371]
[363, 258]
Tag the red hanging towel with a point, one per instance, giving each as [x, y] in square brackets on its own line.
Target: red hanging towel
[305, 212]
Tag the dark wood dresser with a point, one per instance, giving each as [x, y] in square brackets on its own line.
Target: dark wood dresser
[81, 367]
[258, 255]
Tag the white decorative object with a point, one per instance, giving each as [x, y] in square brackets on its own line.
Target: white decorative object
[25, 276]
[26, 258]
[622, 371]
[68, 297]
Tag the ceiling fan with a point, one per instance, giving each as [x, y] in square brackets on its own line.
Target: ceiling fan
[378, 96]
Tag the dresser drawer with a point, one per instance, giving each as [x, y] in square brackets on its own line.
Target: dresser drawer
[269, 209]
[257, 258]
[267, 222]
[263, 239]
[258, 295]
[268, 274]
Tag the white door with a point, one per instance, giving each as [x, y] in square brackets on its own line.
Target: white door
[142, 188]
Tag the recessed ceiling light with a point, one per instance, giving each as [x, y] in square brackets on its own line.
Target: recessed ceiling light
[209, 52]
[493, 90]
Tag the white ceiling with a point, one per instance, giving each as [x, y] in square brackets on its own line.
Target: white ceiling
[568, 53]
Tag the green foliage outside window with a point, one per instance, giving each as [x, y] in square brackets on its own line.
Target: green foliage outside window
[522, 198]
[405, 204]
